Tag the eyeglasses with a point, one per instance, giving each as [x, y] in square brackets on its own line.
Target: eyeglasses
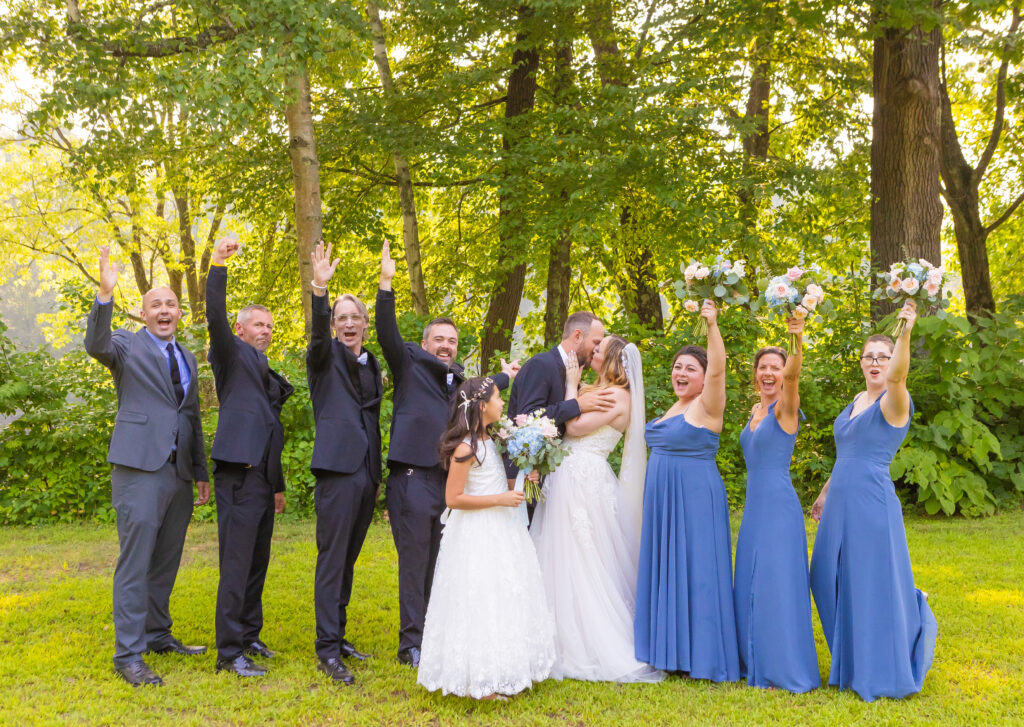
[346, 319]
[868, 358]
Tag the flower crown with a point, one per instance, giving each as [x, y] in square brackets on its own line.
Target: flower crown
[467, 400]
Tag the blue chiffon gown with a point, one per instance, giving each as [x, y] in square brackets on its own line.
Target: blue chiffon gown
[684, 612]
[877, 624]
[773, 591]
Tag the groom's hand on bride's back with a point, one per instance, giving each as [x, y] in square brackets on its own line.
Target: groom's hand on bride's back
[596, 400]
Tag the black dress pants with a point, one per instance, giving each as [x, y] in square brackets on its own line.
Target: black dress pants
[245, 526]
[344, 510]
[415, 498]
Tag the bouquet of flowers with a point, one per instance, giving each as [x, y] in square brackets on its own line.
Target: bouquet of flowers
[531, 441]
[711, 278]
[916, 280]
[799, 293]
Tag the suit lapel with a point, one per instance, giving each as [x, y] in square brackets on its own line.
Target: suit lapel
[160, 360]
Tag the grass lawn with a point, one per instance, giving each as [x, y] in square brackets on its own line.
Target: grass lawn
[56, 643]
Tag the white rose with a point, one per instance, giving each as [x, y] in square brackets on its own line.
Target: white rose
[910, 285]
[691, 306]
[809, 302]
[701, 272]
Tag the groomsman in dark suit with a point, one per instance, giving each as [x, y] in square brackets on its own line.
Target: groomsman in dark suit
[425, 378]
[346, 388]
[248, 483]
[541, 382]
[157, 452]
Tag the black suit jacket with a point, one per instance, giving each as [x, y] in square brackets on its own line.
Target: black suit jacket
[540, 384]
[251, 394]
[422, 399]
[347, 420]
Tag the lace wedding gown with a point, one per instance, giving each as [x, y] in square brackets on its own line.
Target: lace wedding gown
[488, 629]
[588, 547]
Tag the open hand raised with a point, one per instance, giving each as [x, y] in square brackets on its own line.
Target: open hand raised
[387, 266]
[323, 268]
[108, 275]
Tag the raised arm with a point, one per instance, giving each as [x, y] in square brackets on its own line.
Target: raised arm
[222, 345]
[385, 320]
[99, 343]
[455, 496]
[788, 409]
[896, 402]
[590, 421]
[712, 399]
[318, 353]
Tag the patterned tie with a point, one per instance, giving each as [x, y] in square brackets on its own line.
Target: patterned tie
[172, 361]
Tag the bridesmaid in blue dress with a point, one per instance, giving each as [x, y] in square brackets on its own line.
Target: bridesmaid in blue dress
[684, 612]
[772, 590]
[877, 624]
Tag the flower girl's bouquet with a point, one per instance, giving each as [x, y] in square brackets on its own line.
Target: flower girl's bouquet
[711, 278]
[799, 293]
[532, 443]
[916, 280]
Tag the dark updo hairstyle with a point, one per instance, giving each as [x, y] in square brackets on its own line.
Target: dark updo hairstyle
[466, 418]
[765, 350]
[697, 352]
[879, 338]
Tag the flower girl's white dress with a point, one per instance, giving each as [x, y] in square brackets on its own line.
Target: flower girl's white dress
[488, 629]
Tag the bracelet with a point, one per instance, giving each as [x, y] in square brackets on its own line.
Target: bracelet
[318, 287]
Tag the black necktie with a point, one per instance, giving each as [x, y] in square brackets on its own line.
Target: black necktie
[172, 361]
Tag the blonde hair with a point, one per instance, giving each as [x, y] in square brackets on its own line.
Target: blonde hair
[613, 370]
[360, 306]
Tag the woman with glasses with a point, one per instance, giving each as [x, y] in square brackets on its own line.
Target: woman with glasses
[772, 594]
[877, 624]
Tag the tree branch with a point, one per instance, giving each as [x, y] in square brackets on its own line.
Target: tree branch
[997, 122]
[1006, 214]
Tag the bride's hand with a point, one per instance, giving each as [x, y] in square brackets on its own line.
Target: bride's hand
[572, 372]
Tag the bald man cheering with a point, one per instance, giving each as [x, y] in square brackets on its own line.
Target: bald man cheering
[157, 453]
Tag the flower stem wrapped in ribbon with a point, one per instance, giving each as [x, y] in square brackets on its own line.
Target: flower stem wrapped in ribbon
[916, 280]
[532, 443]
[798, 293]
[714, 278]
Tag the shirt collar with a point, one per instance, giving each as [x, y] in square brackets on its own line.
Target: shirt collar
[161, 343]
[563, 354]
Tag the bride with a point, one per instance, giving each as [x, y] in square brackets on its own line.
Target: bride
[587, 529]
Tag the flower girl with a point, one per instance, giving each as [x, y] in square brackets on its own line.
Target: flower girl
[488, 631]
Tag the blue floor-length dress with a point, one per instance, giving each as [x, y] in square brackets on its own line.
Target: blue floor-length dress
[878, 625]
[684, 611]
[772, 588]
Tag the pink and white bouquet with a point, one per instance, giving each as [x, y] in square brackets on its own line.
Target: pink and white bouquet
[715, 278]
[799, 293]
[532, 442]
[916, 280]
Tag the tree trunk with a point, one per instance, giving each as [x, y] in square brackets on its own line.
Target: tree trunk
[756, 140]
[906, 214]
[306, 181]
[406, 201]
[508, 289]
[187, 245]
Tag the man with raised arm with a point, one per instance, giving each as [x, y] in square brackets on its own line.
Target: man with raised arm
[248, 481]
[346, 389]
[157, 453]
[425, 378]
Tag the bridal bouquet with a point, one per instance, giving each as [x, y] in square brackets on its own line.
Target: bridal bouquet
[916, 280]
[532, 443]
[713, 277]
[799, 293]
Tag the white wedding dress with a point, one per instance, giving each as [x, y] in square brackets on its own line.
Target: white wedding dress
[587, 535]
[488, 629]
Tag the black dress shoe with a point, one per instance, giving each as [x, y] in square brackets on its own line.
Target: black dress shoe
[410, 656]
[176, 647]
[347, 649]
[137, 674]
[242, 666]
[335, 668]
[258, 648]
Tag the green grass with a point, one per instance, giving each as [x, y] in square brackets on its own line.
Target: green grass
[56, 642]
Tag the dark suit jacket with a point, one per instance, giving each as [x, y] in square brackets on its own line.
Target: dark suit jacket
[251, 394]
[422, 399]
[540, 384]
[347, 419]
[150, 423]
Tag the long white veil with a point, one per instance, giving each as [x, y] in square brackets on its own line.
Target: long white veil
[634, 448]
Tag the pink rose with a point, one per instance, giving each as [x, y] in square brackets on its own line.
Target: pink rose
[895, 283]
[504, 434]
[701, 272]
[521, 419]
[933, 289]
[910, 285]
[794, 273]
[782, 290]
[691, 306]
[800, 312]
[935, 276]
[809, 302]
[815, 290]
[690, 271]
[549, 430]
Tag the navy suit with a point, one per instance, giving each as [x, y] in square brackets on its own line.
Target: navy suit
[346, 397]
[416, 480]
[247, 458]
[157, 452]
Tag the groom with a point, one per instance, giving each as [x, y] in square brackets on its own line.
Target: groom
[540, 383]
